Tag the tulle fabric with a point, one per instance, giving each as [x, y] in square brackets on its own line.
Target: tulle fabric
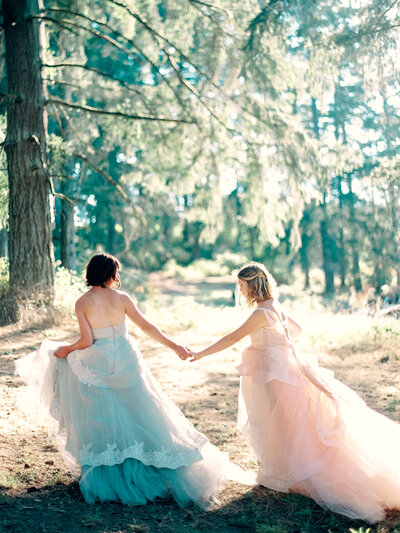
[311, 433]
[116, 428]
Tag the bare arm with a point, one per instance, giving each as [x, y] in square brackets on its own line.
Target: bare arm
[150, 329]
[255, 321]
[86, 338]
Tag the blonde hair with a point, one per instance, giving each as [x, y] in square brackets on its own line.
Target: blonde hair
[262, 285]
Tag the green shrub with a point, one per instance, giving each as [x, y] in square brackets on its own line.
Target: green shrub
[68, 287]
[4, 275]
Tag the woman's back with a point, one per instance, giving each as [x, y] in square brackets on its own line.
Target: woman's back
[103, 307]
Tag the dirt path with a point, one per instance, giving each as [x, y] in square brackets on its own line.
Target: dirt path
[38, 494]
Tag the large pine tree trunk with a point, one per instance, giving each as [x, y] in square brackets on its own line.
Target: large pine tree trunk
[30, 239]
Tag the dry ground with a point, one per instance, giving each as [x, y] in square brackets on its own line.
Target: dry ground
[38, 494]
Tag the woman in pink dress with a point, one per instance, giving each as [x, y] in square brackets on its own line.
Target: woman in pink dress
[311, 433]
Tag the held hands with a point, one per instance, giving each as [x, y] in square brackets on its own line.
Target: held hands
[184, 353]
[195, 356]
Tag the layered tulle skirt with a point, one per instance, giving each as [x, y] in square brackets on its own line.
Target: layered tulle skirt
[116, 428]
[314, 435]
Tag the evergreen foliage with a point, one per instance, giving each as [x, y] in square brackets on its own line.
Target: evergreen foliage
[179, 130]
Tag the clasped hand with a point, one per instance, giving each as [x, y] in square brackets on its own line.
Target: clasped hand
[184, 353]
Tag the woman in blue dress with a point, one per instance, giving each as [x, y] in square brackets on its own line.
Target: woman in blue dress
[115, 427]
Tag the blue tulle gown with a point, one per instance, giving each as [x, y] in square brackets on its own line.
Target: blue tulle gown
[116, 428]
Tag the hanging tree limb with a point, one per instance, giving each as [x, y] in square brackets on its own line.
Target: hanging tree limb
[69, 25]
[137, 210]
[159, 39]
[210, 6]
[105, 175]
[121, 114]
[102, 73]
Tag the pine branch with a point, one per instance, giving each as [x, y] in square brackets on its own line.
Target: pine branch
[194, 91]
[37, 142]
[160, 38]
[106, 75]
[105, 175]
[65, 24]
[121, 114]
[342, 39]
[96, 71]
[205, 4]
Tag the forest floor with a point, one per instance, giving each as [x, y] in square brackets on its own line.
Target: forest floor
[37, 493]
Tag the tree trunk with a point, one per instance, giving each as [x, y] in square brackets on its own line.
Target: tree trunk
[30, 236]
[304, 250]
[196, 250]
[338, 116]
[326, 240]
[327, 259]
[341, 250]
[327, 263]
[393, 197]
[354, 239]
[68, 249]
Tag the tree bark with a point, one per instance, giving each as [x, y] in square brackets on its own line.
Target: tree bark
[30, 236]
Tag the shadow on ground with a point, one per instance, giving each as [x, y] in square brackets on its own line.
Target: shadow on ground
[61, 508]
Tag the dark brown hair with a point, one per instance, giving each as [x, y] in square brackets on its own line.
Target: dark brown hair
[260, 282]
[100, 269]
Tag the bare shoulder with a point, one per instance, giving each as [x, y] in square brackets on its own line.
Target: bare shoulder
[82, 301]
[257, 318]
[125, 296]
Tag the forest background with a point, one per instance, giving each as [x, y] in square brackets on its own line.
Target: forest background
[165, 132]
[187, 137]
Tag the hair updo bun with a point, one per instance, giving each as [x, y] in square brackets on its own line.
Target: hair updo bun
[260, 282]
[100, 269]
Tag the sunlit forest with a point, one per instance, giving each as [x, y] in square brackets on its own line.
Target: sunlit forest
[188, 137]
[184, 130]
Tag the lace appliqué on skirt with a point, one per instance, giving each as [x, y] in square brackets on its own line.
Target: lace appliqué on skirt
[163, 458]
[84, 373]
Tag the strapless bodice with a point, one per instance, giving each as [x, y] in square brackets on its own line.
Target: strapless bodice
[110, 331]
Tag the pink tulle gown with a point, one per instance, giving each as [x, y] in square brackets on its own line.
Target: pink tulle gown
[311, 433]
